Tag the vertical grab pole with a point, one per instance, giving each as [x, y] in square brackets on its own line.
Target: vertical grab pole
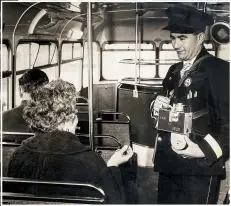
[90, 75]
[139, 29]
[135, 92]
[205, 7]
[59, 55]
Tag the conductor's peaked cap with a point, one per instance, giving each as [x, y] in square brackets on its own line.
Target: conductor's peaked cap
[186, 19]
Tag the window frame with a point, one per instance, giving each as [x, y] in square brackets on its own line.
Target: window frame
[41, 42]
[73, 59]
[125, 42]
[9, 79]
[99, 61]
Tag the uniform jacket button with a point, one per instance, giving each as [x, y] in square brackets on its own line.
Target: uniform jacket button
[159, 139]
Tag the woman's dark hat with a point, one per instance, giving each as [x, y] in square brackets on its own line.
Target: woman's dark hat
[186, 19]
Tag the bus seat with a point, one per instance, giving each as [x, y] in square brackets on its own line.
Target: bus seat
[8, 149]
[15, 136]
[83, 122]
[82, 103]
[119, 126]
[101, 141]
[105, 145]
[84, 193]
[138, 109]
[115, 124]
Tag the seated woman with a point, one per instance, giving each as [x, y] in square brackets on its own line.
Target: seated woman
[55, 153]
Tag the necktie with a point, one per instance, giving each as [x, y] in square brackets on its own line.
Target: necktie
[186, 67]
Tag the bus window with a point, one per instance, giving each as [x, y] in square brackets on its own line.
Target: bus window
[210, 47]
[78, 50]
[22, 63]
[114, 57]
[71, 66]
[39, 55]
[166, 52]
[52, 66]
[6, 82]
[96, 63]
[67, 52]
[45, 55]
[42, 56]
[17, 95]
[53, 53]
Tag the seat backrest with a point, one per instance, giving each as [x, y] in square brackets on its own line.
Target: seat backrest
[18, 137]
[82, 103]
[105, 145]
[84, 193]
[116, 124]
[8, 149]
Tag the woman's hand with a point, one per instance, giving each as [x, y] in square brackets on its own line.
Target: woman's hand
[120, 156]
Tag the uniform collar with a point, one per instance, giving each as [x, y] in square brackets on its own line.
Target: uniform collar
[202, 53]
[179, 65]
[190, 61]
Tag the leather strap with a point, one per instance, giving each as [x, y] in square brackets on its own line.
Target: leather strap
[199, 113]
[192, 68]
[187, 72]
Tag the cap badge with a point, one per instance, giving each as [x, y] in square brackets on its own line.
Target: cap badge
[188, 82]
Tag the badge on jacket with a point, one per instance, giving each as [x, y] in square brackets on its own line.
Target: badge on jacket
[188, 82]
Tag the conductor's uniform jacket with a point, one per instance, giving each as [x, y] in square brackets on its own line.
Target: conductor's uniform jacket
[206, 86]
[196, 180]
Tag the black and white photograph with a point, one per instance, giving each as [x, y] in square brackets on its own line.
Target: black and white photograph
[115, 102]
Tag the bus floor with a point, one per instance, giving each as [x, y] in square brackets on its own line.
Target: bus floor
[147, 183]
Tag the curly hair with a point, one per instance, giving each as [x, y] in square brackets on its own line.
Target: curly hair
[50, 106]
[33, 79]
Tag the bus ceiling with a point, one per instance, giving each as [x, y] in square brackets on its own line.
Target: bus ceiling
[68, 20]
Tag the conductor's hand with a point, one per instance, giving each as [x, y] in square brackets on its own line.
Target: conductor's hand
[192, 151]
[120, 156]
[160, 102]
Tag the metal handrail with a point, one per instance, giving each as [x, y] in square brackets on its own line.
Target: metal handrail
[16, 26]
[18, 133]
[142, 84]
[99, 112]
[90, 74]
[84, 98]
[31, 197]
[49, 182]
[11, 144]
[12, 195]
[102, 136]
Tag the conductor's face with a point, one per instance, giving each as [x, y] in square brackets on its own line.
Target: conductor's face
[186, 45]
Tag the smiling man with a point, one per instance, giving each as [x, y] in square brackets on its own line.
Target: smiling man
[190, 173]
